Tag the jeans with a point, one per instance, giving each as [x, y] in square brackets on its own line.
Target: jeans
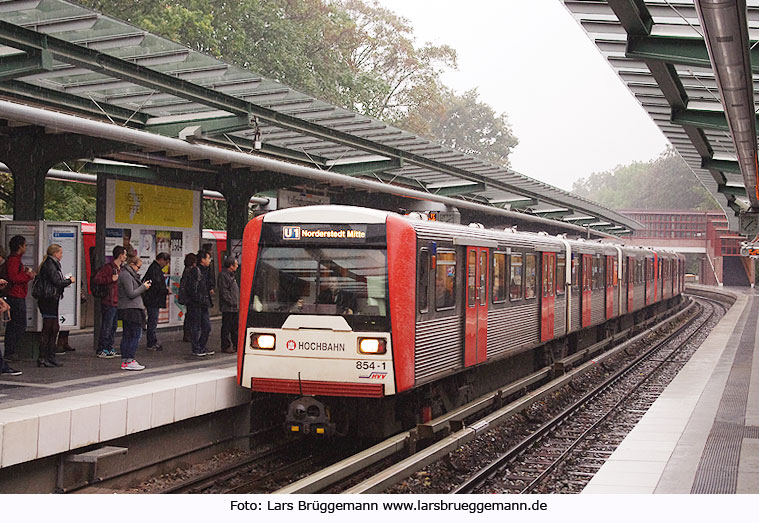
[129, 340]
[152, 324]
[200, 327]
[228, 330]
[108, 325]
[16, 327]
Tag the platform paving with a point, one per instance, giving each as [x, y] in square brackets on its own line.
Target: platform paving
[90, 400]
[701, 436]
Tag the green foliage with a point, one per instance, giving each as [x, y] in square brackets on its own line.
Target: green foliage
[65, 201]
[352, 53]
[215, 215]
[664, 183]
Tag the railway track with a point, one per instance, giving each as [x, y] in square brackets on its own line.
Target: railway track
[298, 469]
[575, 442]
[378, 468]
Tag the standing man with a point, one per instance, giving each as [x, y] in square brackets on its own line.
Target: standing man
[155, 297]
[199, 293]
[18, 278]
[229, 304]
[108, 276]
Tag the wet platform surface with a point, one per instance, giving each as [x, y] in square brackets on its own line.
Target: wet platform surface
[701, 436]
[90, 400]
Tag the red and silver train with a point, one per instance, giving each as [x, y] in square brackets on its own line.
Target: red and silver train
[360, 317]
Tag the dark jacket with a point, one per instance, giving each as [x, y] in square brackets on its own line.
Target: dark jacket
[229, 292]
[51, 280]
[155, 296]
[105, 277]
[199, 285]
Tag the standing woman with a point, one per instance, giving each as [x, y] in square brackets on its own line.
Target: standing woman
[131, 311]
[48, 290]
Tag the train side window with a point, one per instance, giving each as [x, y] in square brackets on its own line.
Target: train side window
[499, 277]
[530, 276]
[424, 280]
[561, 273]
[515, 277]
[594, 273]
[575, 275]
[471, 278]
[445, 280]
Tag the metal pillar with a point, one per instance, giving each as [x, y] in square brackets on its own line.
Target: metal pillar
[98, 256]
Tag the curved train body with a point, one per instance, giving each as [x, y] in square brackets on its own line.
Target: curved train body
[364, 309]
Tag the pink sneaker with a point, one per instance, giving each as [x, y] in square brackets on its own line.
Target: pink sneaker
[132, 365]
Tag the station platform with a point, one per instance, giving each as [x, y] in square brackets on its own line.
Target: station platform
[90, 400]
[701, 436]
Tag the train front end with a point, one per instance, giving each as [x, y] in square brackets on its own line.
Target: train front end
[317, 325]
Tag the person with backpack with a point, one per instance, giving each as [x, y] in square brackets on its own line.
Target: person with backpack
[155, 297]
[47, 290]
[105, 286]
[200, 287]
[229, 304]
[19, 277]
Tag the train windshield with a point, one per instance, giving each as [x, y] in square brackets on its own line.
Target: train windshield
[351, 282]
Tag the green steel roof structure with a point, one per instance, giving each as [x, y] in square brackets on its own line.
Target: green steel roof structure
[57, 55]
[690, 65]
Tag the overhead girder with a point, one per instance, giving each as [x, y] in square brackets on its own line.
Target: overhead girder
[125, 71]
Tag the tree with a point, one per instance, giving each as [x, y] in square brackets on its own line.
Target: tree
[352, 53]
[648, 185]
[463, 122]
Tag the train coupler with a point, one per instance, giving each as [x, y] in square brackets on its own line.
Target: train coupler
[308, 416]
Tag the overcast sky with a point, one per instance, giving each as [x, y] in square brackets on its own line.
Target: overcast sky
[531, 60]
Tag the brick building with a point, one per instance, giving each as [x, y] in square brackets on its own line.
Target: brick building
[712, 250]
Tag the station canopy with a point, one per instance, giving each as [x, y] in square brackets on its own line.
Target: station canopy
[57, 55]
[667, 55]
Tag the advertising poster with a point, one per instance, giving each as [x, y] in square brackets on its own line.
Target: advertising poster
[113, 237]
[158, 219]
[146, 204]
[175, 275]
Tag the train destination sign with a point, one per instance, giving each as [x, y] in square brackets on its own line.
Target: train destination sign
[324, 233]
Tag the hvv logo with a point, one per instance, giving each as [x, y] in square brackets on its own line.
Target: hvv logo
[291, 233]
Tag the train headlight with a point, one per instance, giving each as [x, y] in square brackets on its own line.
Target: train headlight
[263, 341]
[372, 346]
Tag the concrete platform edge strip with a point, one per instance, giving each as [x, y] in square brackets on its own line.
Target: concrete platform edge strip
[46, 428]
[675, 407]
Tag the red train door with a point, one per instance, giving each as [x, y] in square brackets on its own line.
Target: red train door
[587, 277]
[476, 331]
[648, 280]
[631, 268]
[547, 301]
[609, 287]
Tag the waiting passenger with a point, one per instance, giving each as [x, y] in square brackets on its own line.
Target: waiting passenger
[190, 261]
[48, 290]
[155, 298]
[19, 277]
[5, 310]
[229, 304]
[200, 289]
[131, 311]
[108, 276]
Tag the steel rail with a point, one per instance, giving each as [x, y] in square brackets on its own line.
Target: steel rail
[419, 460]
[480, 477]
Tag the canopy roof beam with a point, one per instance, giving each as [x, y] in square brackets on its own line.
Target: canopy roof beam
[31, 41]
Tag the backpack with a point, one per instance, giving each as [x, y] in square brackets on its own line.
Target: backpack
[182, 297]
[98, 290]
